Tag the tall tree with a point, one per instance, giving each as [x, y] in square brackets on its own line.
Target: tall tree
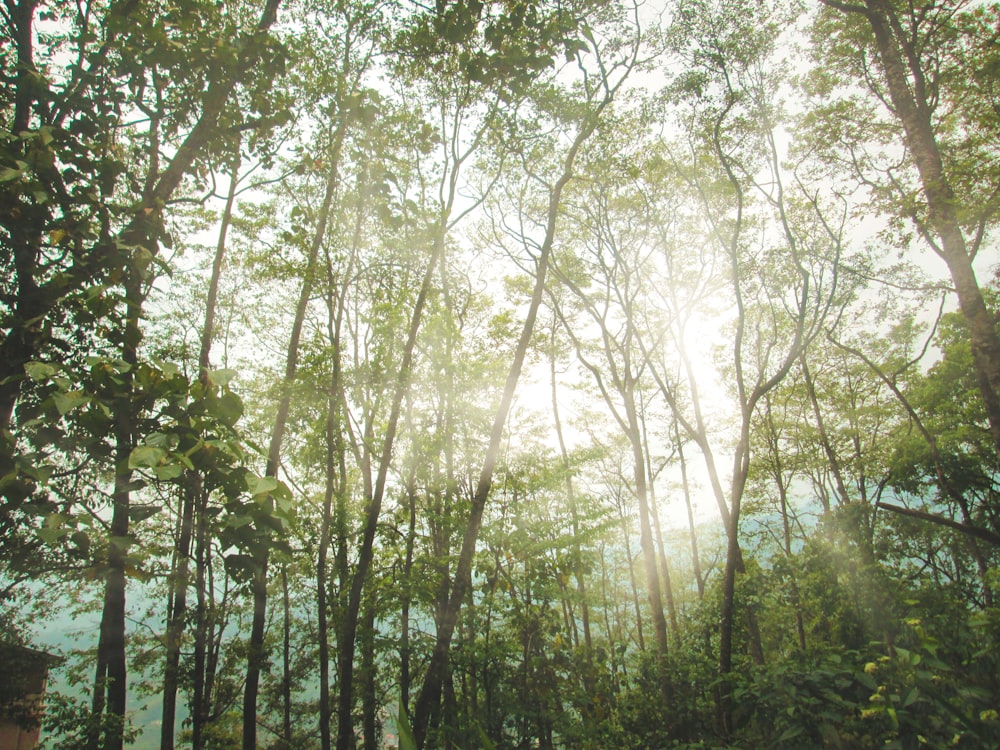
[64, 171]
[615, 58]
[931, 71]
[608, 278]
[734, 107]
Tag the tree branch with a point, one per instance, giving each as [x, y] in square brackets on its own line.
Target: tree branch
[974, 531]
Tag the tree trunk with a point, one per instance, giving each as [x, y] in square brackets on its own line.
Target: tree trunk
[255, 654]
[111, 661]
[668, 588]
[404, 619]
[831, 455]
[176, 614]
[192, 487]
[911, 101]
[286, 663]
[336, 488]
[369, 700]
[646, 543]
[322, 623]
[633, 585]
[366, 554]
[430, 693]
[692, 532]
[201, 688]
[581, 588]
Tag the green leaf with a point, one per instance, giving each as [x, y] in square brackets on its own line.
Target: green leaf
[273, 522]
[145, 456]
[284, 502]
[51, 534]
[38, 371]
[237, 521]
[40, 473]
[790, 733]
[230, 408]
[830, 735]
[82, 540]
[121, 543]
[222, 377]
[66, 402]
[261, 485]
[407, 741]
[240, 567]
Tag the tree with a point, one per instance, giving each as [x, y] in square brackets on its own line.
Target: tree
[733, 157]
[597, 96]
[933, 70]
[323, 444]
[608, 279]
[76, 207]
[71, 241]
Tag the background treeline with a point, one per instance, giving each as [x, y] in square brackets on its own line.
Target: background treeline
[530, 373]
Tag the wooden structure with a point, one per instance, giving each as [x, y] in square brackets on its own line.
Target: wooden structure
[23, 672]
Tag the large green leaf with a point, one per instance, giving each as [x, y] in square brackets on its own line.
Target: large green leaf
[39, 371]
[66, 402]
[261, 485]
[222, 377]
[145, 456]
[407, 741]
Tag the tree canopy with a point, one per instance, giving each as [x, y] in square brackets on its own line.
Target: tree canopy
[532, 373]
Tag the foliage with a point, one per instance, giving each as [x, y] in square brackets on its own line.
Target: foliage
[726, 291]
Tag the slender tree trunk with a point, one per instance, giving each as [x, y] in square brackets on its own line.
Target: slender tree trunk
[177, 613]
[430, 693]
[800, 627]
[653, 587]
[581, 588]
[734, 564]
[212, 302]
[203, 633]
[668, 588]
[831, 454]
[218, 621]
[255, 647]
[349, 626]
[778, 474]
[322, 604]
[692, 532]
[322, 623]
[578, 572]
[286, 663]
[369, 699]
[634, 586]
[404, 619]
[607, 609]
[111, 663]
[336, 472]
[192, 488]
[255, 652]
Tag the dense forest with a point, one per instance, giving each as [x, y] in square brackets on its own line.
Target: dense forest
[502, 373]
